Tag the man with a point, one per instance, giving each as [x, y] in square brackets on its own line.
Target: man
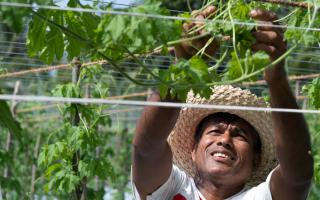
[222, 154]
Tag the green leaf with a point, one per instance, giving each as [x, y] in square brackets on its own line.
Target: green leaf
[164, 75]
[313, 91]
[7, 120]
[199, 70]
[5, 158]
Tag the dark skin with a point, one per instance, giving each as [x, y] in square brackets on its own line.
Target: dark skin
[152, 157]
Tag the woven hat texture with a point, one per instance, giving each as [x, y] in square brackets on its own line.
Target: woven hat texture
[181, 138]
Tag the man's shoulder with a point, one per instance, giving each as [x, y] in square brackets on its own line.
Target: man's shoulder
[259, 192]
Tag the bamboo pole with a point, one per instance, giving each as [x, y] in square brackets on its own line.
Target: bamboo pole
[34, 167]
[75, 122]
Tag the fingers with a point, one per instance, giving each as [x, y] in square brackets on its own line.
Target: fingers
[194, 28]
[208, 12]
[270, 42]
[268, 38]
[180, 52]
[187, 27]
[263, 15]
[269, 49]
[200, 22]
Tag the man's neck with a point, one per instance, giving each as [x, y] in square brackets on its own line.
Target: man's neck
[213, 191]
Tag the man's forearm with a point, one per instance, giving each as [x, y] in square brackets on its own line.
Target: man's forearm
[292, 135]
[154, 126]
[152, 157]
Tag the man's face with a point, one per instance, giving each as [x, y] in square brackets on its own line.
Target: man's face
[225, 152]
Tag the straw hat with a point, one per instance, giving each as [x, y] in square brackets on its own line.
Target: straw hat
[181, 138]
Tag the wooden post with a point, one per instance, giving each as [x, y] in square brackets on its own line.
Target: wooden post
[34, 167]
[81, 189]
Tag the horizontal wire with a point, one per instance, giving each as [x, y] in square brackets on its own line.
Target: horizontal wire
[161, 58]
[110, 2]
[155, 16]
[40, 108]
[27, 98]
[20, 43]
[69, 66]
[132, 64]
[108, 112]
[64, 77]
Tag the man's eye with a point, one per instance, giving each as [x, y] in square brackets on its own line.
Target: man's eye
[241, 136]
[214, 132]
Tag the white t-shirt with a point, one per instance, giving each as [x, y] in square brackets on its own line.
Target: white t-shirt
[179, 186]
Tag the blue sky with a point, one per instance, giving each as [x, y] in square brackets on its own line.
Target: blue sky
[123, 1]
[63, 2]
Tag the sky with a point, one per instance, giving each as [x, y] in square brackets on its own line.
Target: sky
[123, 1]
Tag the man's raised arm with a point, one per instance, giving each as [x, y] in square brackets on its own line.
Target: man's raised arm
[292, 178]
[152, 157]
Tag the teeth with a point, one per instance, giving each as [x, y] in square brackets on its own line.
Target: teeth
[221, 155]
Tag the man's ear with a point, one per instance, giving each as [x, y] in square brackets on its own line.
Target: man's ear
[193, 154]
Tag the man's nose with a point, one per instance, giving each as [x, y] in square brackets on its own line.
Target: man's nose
[225, 140]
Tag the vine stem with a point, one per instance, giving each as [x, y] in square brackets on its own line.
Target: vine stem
[218, 63]
[234, 37]
[189, 5]
[287, 16]
[144, 67]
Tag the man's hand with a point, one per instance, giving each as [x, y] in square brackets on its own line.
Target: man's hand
[270, 40]
[188, 49]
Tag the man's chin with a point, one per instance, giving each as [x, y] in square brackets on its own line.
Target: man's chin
[222, 170]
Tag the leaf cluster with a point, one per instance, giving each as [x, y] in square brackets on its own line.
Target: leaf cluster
[313, 92]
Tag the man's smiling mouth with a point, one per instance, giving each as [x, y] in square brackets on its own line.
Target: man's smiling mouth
[222, 155]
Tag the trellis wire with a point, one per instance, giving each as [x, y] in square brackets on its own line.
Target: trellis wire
[66, 66]
[39, 108]
[155, 16]
[28, 98]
